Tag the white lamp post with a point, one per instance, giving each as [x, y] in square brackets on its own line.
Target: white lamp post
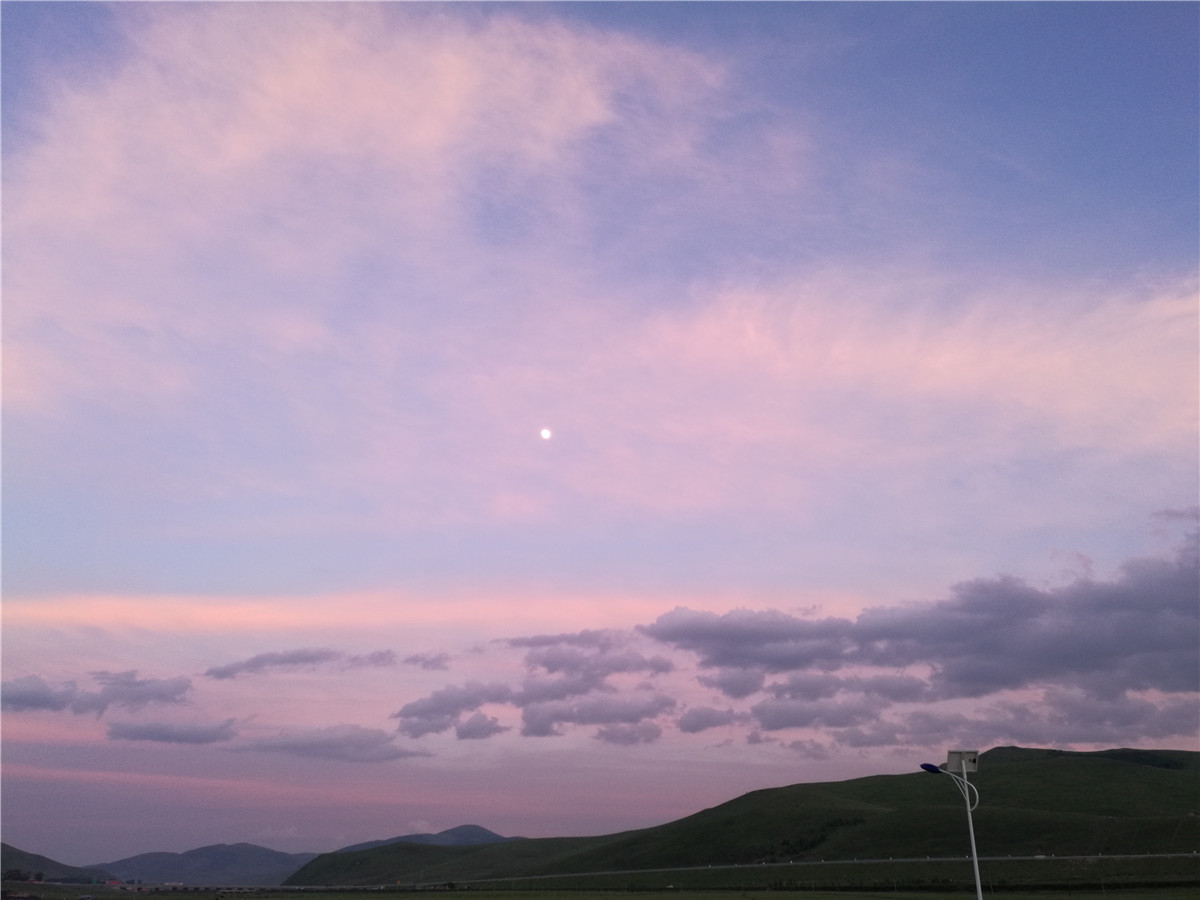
[964, 761]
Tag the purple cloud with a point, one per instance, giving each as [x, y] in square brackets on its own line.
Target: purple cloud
[32, 692]
[1136, 632]
[126, 690]
[441, 709]
[477, 727]
[637, 733]
[170, 733]
[308, 656]
[701, 718]
[544, 719]
[773, 715]
[429, 661]
[123, 689]
[376, 659]
[343, 743]
[736, 683]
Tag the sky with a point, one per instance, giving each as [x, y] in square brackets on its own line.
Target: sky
[563, 418]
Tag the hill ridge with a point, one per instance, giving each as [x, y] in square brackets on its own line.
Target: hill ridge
[1034, 801]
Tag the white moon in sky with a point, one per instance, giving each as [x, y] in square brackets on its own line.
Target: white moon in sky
[545, 434]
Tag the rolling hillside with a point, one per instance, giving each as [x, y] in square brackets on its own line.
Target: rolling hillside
[12, 859]
[1033, 802]
[461, 836]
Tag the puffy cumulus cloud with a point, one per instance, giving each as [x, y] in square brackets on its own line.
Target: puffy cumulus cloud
[767, 640]
[628, 734]
[345, 743]
[809, 749]
[307, 657]
[579, 664]
[774, 715]
[173, 733]
[32, 692]
[1092, 661]
[1135, 632]
[478, 726]
[734, 682]
[568, 683]
[819, 685]
[1074, 715]
[700, 718]
[998, 660]
[546, 719]
[121, 689]
[1132, 633]
[442, 709]
[126, 690]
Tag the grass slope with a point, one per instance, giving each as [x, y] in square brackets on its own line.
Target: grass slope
[51, 870]
[1034, 802]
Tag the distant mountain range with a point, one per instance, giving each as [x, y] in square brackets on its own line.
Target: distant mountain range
[225, 864]
[32, 865]
[1035, 802]
[242, 865]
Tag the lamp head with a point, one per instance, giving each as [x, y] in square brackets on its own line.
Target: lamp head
[931, 768]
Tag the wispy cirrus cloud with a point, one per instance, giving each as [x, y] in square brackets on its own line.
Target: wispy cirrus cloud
[173, 733]
[429, 661]
[341, 743]
[305, 657]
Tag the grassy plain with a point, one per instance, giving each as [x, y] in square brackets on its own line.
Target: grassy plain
[73, 892]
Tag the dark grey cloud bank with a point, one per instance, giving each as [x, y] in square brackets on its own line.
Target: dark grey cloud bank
[1137, 632]
[1097, 661]
[1087, 647]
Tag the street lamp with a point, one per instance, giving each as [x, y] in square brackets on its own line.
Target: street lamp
[964, 761]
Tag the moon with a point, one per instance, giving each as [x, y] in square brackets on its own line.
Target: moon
[546, 434]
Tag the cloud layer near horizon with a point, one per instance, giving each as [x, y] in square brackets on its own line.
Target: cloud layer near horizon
[998, 661]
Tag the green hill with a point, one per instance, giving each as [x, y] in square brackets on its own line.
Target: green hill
[1033, 802]
[30, 865]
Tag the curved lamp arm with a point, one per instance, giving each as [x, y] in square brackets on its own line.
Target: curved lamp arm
[969, 791]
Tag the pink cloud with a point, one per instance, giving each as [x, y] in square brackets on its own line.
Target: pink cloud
[734, 400]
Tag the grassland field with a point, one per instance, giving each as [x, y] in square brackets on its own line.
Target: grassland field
[73, 892]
